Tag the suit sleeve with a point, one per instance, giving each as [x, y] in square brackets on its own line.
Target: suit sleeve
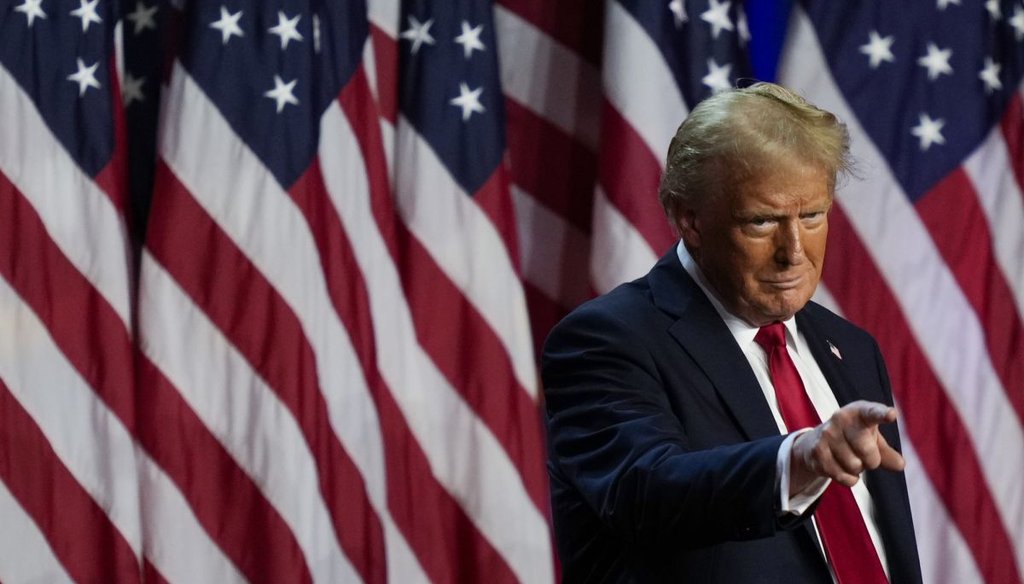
[614, 437]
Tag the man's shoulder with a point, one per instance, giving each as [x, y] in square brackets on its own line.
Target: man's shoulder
[835, 325]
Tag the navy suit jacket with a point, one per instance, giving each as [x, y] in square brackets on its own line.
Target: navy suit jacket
[662, 448]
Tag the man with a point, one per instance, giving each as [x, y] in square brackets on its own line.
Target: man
[707, 421]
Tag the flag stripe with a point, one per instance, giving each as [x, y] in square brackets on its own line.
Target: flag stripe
[930, 419]
[555, 169]
[178, 244]
[37, 478]
[27, 556]
[619, 252]
[572, 23]
[224, 499]
[964, 240]
[505, 515]
[630, 174]
[1012, 126]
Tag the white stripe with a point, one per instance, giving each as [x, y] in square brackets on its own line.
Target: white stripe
[460, 237]
[618, 253]
[25, 555]
[554, 251]
[79, 217]
[464, 455]
[935, 308]
[823, 297]
[548, 78]
[385, 15]
[242, 412]
[638, 82]
[87, 437]
[945, 557]
[1000, 198]
[239, 193]
[175, 543]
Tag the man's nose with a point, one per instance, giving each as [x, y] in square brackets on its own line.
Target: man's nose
[789, 245]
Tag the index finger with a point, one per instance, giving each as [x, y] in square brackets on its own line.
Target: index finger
[874, 413]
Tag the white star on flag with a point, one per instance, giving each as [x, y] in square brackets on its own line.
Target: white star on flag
[144, 17]
[878, 49]
[286, 29]
[282, 93]
[717, 78]
[929, 131]
[85, 77]
[469, 101]
[470, 39]
[718, 17]
[228, 25]
[678, 10]
[418, 33]
[993, 9]
[944, 3]
[32, 9]
[131, 89]
[87, 12]
[936, 61]
[1017, 22]
[990, 75]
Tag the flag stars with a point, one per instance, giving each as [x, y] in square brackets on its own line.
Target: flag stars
[678, 10]
[993, 9]
[928, 131]
[470, 39]
[418, 33]
[878, 49]
[227, 24]
[87, 12]
[144, 17]
[1017, 22]
[282, 93]
[85, 77]
[989, 75]
[131, 89]
[469, 101]
[316, 33]
[718, 17]
[742, 28]
[942, 4]
[32, 9]
[717, 78]
[936, 61]
[287, 29]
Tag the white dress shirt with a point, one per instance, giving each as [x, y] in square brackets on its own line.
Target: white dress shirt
[818, 391]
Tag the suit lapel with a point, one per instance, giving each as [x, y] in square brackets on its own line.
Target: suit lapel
[700, 332]
[830, 363]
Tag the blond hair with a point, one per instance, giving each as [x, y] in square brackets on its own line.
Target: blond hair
[736, 135]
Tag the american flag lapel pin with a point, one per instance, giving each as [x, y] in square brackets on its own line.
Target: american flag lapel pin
[834, 349]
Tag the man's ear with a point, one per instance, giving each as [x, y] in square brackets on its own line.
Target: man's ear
[689, 229]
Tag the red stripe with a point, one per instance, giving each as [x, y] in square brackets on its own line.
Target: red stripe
[225, 501]
[577, 24]
[150, 575]
[495, 201]
[952, 213]
[554, 168]
[80, 534]
[630, 174]
[385, 54]
[83, 324]
[451, 331]
[447, 544]
[1013, 132]
[215, 274]
[544, 315]
[113, 178]
[939, 435]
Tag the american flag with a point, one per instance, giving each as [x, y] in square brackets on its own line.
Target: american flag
[365, 216]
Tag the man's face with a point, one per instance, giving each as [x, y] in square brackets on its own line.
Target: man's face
[762, 245]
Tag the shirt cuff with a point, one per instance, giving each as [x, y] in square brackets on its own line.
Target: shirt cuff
[800, 502]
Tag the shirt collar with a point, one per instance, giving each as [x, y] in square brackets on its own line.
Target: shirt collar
[741, 330]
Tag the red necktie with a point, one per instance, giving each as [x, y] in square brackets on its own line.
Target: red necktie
[843, 533]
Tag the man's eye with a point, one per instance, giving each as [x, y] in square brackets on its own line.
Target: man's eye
[760, 221]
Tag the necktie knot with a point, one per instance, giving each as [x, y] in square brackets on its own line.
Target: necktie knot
[771, 336]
